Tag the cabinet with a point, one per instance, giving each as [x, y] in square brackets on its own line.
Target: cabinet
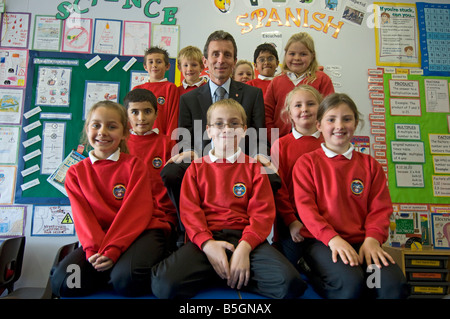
[426, 270]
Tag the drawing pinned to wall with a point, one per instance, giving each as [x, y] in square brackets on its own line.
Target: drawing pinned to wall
[15, 30]
[77, 35]
[138, 78]
[47, 33]
[11, 105]
[13, 67]
[9, 144]
[99, 91]
[136, 38]
[12, 221]
[166, 37]
[7, 184]
[107, 36]
[332, 5]
[52, 221]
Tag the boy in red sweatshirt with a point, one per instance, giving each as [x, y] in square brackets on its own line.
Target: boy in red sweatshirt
[156, 63]
[152, 147]
[228, 210]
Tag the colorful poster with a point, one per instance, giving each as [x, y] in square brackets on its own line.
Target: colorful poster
[11, 105]
[396, 34]
[77, 35]
[47, 33]
[417, 137]
[107, 36]
[15, 30]
[434, 26]
[53, 88]
[13, 67]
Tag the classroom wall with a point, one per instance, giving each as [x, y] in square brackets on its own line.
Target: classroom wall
[346, 56]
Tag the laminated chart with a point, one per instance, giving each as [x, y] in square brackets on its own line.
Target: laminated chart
[434, 28]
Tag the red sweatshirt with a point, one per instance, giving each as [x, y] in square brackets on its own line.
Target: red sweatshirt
[275, 97]
[168, 99]
[155, 150]
[338, 196]
[224, 195]
[110, 204]
[284, 153]
[260, 83]
[184, 87]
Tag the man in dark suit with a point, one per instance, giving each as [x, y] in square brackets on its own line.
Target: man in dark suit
[220, 56]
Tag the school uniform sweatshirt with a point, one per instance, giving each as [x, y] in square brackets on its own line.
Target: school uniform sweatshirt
[284, 153]
[111, 205]
[218, 194]
[155, 150]
[168, 99]
[275, 97]
[341, 196]
[260, 83]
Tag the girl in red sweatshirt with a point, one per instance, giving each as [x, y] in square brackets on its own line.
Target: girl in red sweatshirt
[300, 66]
[343, 200]
[121, 235]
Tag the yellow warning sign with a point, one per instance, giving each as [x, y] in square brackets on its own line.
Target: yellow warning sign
[67, 219]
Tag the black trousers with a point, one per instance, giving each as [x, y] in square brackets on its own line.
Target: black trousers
[340, 281]
[187, 271]
[130, 275]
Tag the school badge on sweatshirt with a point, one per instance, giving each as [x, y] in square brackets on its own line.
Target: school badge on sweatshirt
[157, 162]
[161, 100]
[357, 187]
[119, 191]
[239, 189]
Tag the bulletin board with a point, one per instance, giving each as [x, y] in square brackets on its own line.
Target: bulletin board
[60, 87]
[417, 138]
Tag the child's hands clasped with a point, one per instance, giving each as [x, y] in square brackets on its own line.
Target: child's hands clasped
[237, 271]
[100, 262]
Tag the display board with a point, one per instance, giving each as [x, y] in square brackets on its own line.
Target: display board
[63, 88]
[417, 138]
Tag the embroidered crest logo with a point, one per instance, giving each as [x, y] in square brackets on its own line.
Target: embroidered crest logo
[157, 162]
[161, 100]
[119, 191]
[239, 189]
[357, 187]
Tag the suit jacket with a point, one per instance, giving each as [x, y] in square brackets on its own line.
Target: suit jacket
[192, 117]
